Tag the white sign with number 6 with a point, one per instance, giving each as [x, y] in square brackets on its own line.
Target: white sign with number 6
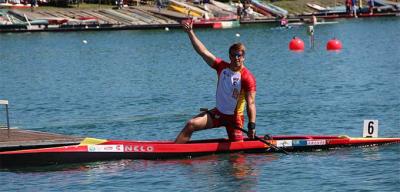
[370, 128]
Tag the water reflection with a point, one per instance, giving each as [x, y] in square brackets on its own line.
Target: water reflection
[224, 172]
[221, 172]
[238, 165]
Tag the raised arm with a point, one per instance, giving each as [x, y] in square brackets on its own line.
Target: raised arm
[207, 56]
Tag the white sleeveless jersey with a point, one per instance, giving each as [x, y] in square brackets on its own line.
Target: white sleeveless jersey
[231, 88]
[228, 90]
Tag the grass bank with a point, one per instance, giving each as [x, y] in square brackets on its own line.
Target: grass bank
[300, 6]
[292, 6]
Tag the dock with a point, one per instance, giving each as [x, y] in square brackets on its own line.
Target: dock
[17, 139]
[25, 20]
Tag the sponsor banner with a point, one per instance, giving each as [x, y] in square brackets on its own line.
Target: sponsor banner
[284, 143]
[299, 143]
[316, 142]
[106, 148]
[139, 148]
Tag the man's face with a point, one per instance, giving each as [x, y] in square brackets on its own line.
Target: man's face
[237, 58]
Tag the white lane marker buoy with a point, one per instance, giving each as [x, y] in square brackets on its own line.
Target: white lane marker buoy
[237, 35]
[166, 29]
[84, 41]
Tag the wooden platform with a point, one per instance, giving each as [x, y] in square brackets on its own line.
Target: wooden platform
[27, 139]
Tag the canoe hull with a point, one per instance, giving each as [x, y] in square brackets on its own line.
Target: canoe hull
[115, 149]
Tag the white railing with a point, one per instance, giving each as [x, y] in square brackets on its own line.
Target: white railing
[5, 103]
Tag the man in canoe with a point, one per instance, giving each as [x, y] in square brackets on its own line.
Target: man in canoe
[236, 89]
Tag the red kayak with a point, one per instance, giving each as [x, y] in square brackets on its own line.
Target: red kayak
[100, 150]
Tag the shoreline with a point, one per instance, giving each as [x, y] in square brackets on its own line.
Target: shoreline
[144, 17]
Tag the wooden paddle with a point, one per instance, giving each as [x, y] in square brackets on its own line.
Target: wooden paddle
[263, 141]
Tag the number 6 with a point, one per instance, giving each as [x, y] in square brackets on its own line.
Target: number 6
[371, 127]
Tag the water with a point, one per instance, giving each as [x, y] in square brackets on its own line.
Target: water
[143, 85]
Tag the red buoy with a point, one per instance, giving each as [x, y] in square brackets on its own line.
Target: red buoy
[296, 44]
[334, 45]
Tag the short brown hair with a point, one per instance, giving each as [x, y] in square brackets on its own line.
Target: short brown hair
[237, 47]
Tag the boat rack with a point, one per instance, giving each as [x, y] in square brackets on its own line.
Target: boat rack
[5, 103]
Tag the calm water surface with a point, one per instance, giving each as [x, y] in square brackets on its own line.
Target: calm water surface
[143, 85]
